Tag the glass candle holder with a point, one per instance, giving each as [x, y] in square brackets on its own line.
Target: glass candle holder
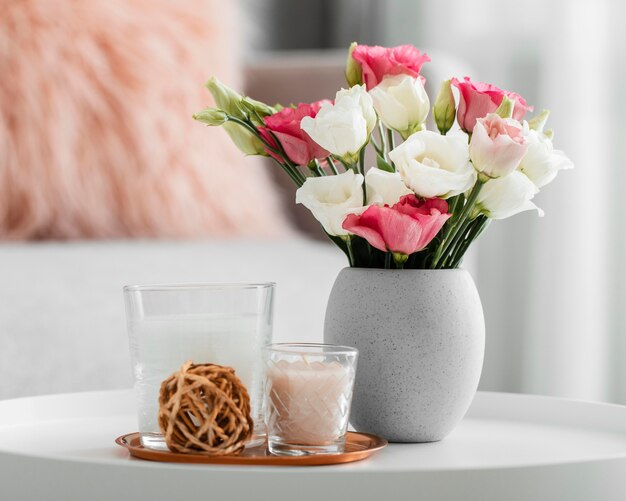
[308, 391]
[225, 324]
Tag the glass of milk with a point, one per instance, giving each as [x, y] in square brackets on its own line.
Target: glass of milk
[225, 324]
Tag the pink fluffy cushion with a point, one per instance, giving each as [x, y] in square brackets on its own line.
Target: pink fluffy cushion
[96, 134]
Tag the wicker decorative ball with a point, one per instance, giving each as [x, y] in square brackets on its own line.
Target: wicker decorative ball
[205, 408]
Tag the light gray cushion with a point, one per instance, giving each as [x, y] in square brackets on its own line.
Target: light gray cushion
[62, 325]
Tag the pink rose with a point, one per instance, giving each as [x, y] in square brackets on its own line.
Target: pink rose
[431, 213]
[285, 125]
[376, 62]
[497, 145]
[478, 99]
[404, 228]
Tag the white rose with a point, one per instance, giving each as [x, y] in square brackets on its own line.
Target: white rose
[433, 165]
[401, 103]
[542, 162]
[332, 198]
[359, 94]
[506, 196]
[497, 145]
[343, 128]
[384, 187]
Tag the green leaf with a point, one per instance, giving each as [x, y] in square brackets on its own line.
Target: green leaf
[382, 164]
[539, 121]
[505, 110]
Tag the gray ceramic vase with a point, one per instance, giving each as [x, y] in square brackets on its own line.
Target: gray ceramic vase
[421, 341]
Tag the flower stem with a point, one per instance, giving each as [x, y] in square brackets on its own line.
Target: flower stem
[332, 166]
[348, 240]
[288, 162]
[456, 243]
[289, 172]
[388, 260]
[339, 242]
[318, 169]
[383, 141]
[291, 169]
[449, 227]
[478, 226]
[391, 146]
[245, 125]
[362, 170]
[375, 145]
[362, 160]
[447, 244]
[454, 203]
[390, 139]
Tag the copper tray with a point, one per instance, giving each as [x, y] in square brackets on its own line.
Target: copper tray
[358, 446]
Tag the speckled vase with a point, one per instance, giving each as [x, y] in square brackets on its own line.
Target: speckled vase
[421, 341]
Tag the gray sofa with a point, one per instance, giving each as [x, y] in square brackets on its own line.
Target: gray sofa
[62, 324]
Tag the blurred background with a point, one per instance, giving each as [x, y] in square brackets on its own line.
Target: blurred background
[105, 179]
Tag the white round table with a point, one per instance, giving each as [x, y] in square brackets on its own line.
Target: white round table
[508, 448]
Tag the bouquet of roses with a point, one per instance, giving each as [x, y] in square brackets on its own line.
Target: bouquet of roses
[428, 197]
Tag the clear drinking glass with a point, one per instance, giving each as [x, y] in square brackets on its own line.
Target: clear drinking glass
[308, 391]
[225, 324]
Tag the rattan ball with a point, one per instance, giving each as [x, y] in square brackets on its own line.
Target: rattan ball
[205, 408]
